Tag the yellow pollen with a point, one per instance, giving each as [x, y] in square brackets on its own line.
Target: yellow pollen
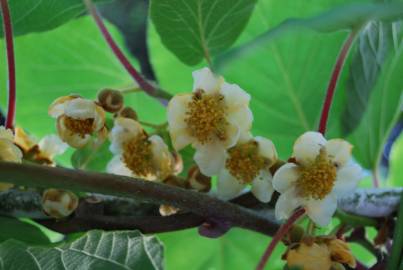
[79, 126]
[317, 179]
[137, 156]
[205, 117]
[244, 161]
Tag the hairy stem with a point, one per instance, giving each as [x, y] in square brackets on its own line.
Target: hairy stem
[8, 33]
[162, 96]
[157, 193]
[333, 81]
[278, 236]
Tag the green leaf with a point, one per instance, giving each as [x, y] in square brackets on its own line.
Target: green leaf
[374, 44]
[96, 250]
[349, 16]
[92, 157]
[30, 16]
[193, 29]
[383, 109]
[238, 249]
[396, 163]
[396, 254]
[12, 228]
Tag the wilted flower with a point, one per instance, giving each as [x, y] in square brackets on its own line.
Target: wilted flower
[211, 119]
[59, 203]
[77, 119]
[137, 154]
[248, 162]
[322, 171]
[42, 152]
[8, 152]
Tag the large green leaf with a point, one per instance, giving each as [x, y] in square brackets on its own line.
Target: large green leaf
[384, 107]
[193, 29]
[374, 44]
[396, 163]
[37, 16]
[12, 228]
[96, 250]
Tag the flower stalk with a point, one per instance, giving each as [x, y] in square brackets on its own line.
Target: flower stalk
[8, 33]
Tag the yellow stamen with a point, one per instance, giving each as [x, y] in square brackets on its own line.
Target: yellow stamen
[79, 126]
[244, 161]
[137, 156]
[206, 117]
[317, 179]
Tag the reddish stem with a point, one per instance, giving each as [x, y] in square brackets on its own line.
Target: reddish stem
[147, 87]
[333, 81]
[8, 33]
[278, 236]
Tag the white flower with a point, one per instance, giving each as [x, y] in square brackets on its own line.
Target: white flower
[137, 154]
[43, 151]
[77, 119]
[8, 152]
[323, 171]
[248, 162]
[211, 119]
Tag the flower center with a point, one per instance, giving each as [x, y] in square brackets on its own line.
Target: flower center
[137, 156]
[244, 161]
[79, 126]
[205, 117]
[317, 179]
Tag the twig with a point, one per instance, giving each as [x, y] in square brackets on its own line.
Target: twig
[8, 33]
[162, 96]
[333, 81]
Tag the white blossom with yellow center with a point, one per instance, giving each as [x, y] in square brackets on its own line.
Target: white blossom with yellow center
[8, 152]
[211, 119]
[323, 171]
[77, 119]
[137, 154]
[248, 162]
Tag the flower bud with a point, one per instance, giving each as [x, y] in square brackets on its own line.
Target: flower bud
[110, 100]
[198, 181]
[59, 203]
[128, 112]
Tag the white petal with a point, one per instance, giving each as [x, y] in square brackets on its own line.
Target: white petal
[6, 134]
[9, 152]
[80, 108]
[162, 158]
[307, 146]
[51, 146]
[267, 149]
[176, 112]
[123, 130]
[262, 186]
[321, 211]
[99, 121]
[244, 137]
[116, 166]
[285, 177]
[286, 204]
[233, 132]
[347, 179]
[242, 117]
[210, 158]
[204, 79]
[234, 95]
[73, 139]
[58, 106]
[228, 187]
[339, 151]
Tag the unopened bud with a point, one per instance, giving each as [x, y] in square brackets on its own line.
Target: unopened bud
[128, 112]
[198, 181]
[167, 210]
[59, 203]
[110, 100]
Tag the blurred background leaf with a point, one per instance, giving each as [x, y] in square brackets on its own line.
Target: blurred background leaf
[12, 228]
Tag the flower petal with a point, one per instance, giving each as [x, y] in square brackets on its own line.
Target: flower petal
[262, 186]
[57, 108]
[6, 134]
[162, 158]
[123, 130]
[285, 177]
[99, 121]
[234, 95]
[9, 152]
[267, 149]
[80, 108]
[307, 146]
[176, 112]
[339, 151]
[242, 117]
[228, 187]
[116, 166]
[52, 146]
[73, 139]
[232, 132]
[321, 211]
[210, 158]
[204, 79]
[286, 204]
[347, 179]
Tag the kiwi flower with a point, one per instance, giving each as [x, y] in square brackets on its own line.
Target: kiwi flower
[8, 152]
[77, 119]
[137, 154]
[322, 172]
[211, 119]
[248, 162]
